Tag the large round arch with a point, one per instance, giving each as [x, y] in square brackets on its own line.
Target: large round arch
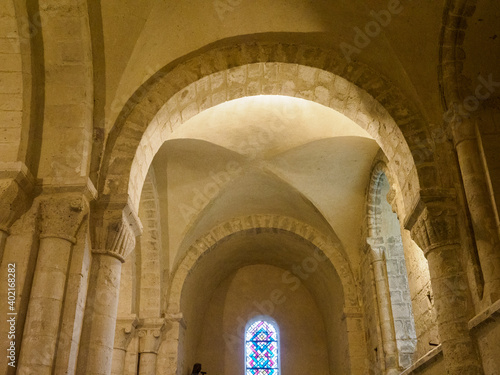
[224, 72]
[329, 245]
[326, 274]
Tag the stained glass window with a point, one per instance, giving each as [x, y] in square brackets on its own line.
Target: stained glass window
[261, 349]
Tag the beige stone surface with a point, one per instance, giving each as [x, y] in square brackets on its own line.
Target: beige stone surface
[170, 169]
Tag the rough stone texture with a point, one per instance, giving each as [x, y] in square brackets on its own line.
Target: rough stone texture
[115, 239]
[15, 82]
[234, 304]
[61, 217]
[359, 105]
[74, 304]
[93, 93]
[486, 328]
[150, 254]
[436, 232]
[20, 248]
[329, 245]
[124, 333]
[67, 136]
[16, 186]
[391, 274]
[375, 353]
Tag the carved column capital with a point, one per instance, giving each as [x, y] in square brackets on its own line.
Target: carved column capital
[377, 248]
[176, 318]
[125, 328]
[62, 214]
[150, 333]
[116, 226]
[16, 186]
[435, 227]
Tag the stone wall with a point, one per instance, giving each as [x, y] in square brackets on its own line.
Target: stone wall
[410, 320]
[422, 299]
[486, 329]
[402, 311]
[375, 353]
[302, 333]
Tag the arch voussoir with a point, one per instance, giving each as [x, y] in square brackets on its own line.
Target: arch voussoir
[181, 90]
[329, 244]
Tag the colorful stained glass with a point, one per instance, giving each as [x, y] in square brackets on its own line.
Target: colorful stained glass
[261, 340]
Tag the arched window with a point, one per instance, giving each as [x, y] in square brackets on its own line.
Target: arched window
[262, 347]
[391, 276]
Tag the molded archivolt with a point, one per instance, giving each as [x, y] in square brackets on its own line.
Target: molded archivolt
[374, 199]
[400, 334]
[330, 245]
[181, 90]
[451, 53]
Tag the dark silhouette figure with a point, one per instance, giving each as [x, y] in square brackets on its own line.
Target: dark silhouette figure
[196, 369]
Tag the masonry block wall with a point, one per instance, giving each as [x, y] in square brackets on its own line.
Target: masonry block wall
[422, 300]
[303, 348]
[401, 301]
[91, 92]
[374, 347]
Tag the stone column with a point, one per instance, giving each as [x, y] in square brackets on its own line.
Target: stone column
[170, 354]
[16, 185]
[125, 328]
[60, 218]
[384, 306]
[481, 210]
[114, 232]
[353, 319]
[435, 230]
[150, 333]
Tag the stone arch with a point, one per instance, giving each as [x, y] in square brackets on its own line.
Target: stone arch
[355, 90]
[16, 71]
[390, 274]
[68, 103]
[451, 54]
[330, 245]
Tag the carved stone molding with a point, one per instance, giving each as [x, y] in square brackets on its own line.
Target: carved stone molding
[437, 226]
[391, 198]
[115, 227]
[352, 313]
[329, 244]
[62, 214]
[433, 221]
[150, 335]
[16, 186]
[176, 318]
[125, 328]
[377, 248]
